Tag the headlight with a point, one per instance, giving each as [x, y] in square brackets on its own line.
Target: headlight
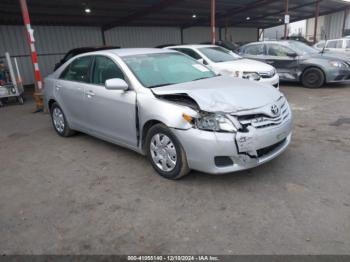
[338, 64]
[251, 76]
[215, 122]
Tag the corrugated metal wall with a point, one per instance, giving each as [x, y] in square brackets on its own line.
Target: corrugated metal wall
[240, 34]
[143, 36]
[196, 35]
[52, 42]
[334, 25]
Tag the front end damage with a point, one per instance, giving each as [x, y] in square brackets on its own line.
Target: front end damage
[259, 135]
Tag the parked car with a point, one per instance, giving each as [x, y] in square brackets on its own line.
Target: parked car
[299, 62]
[81, 50]
[167, 106]
[225, 44]
[225, 62]
[341, 45]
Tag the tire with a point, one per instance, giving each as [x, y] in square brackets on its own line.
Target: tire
[59, 121]
[162, 146]
[313, 77]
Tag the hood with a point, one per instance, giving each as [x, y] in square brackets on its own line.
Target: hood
[223, 93]
[332, 55]
[244, 65]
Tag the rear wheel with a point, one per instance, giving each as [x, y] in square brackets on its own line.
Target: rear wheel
[59, 121]
[313, 77]
[165, 153]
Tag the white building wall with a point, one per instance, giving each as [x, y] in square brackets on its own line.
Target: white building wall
[52, 42]
[142, 36]
[334, 25]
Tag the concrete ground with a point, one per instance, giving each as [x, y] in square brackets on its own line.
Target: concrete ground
[81, 195]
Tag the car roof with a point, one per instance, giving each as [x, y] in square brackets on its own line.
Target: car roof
[192, 46]
[132, 51]
[284, 42]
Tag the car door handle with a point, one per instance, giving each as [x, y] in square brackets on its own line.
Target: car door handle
[90, 93]
[58, 87]
[269, 61]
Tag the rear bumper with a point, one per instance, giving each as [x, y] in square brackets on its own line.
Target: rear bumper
[202, 147]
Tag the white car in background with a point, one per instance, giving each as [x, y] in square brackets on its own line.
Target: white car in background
[225, 62]
[334, 45]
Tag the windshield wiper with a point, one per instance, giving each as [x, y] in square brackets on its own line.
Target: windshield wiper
[205, 77]
[166, 84]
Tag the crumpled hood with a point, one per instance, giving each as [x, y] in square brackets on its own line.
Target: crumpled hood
[224, 93]
[244, 65]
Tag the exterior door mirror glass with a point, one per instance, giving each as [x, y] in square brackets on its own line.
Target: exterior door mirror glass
[116, 84]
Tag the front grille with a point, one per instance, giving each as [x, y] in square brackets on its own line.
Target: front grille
[266, 150]
[263, 120]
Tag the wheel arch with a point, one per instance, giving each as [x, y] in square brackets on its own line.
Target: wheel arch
[145, 128]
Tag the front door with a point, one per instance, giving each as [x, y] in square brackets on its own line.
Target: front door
[112, 113]
[70, 91]
[280, 57]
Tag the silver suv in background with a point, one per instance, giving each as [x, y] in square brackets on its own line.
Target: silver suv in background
[171, 108]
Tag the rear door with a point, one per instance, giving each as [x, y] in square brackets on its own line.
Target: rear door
[70, 91]
[112, 113]
[279, 57]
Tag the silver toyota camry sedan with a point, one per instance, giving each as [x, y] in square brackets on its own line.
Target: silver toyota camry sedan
[169, 107]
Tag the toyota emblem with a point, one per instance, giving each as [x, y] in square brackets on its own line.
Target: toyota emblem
[275, 110]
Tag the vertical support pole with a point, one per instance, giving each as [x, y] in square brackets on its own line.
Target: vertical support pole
[344, 21]
[34, 56]
[226, 25]
[317, 13]
[286, 3]
[182, 35]
[213, 33]
[220, 33]
[103, 36]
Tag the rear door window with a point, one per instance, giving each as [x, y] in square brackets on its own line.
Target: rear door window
[335, 44]
[78, 70]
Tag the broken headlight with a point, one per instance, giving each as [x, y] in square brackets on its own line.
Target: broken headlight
[215, 122]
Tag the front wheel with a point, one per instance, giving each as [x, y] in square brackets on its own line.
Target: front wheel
[165, 153]
[313, 78]
[59, 121]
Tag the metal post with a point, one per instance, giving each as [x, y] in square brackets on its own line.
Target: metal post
[317, 13]
[103, 36]
[182, 35]
[286, 24]
[213, 33]
[34, 56]
[344, 21]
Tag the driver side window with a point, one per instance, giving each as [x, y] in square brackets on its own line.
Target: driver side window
[278, 50]
[104, 69]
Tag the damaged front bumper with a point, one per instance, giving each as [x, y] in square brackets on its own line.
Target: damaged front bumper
[218, 153]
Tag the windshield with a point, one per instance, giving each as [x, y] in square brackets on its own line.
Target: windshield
[154, 70]
[301, 48]
[218, 54]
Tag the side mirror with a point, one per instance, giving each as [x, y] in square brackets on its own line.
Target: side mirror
[292, 54]
[116, 84]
